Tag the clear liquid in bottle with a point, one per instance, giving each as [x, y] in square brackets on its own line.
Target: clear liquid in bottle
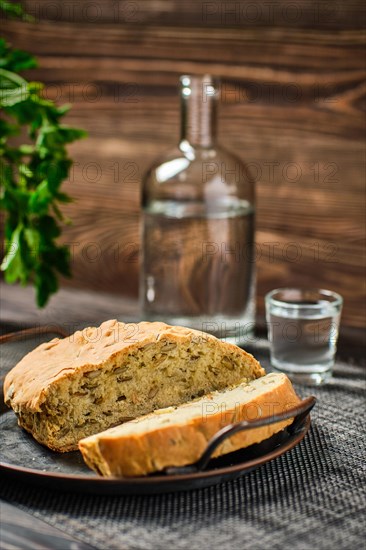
[198, 267]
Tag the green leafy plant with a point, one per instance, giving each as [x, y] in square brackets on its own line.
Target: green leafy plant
[31, 175]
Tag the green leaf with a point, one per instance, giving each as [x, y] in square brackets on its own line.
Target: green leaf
[40, 199]
[15, 198]
[15, 10]
[6, 175]
[71, 134]
[31, 177]
[48, 228]
[35, 125]
[25, 111]
[46, 284]
[14, 268]
[59, 258]
[57, 212]
[24, 170]
[9, 98]
[13, 264]
[6, 201]
[33, 240]
[63, 109]
[63, 197]
[16, 60]
[56, 173]
[26, 149]
[10, 80]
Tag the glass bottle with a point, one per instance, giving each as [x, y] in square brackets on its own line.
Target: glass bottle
[198, 210]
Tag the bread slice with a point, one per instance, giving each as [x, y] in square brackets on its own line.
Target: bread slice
[71, 388]
[177, 437]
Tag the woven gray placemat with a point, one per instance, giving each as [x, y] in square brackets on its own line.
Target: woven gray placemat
[311, 498]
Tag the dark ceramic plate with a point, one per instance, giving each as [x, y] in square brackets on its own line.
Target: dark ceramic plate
[23, 457]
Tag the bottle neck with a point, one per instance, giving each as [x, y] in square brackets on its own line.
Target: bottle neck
[198, 110]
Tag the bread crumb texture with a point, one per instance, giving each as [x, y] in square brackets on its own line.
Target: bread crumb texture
[179, 436]
[70, 388]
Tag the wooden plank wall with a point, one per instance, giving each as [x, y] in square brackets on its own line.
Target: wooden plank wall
[294, 108]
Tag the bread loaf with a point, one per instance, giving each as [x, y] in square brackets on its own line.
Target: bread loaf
[178, 436]
[70, 388]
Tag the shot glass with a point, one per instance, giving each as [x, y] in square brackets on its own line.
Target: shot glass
[303, 331]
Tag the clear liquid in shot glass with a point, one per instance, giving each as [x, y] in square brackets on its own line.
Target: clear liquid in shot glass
[303, 337]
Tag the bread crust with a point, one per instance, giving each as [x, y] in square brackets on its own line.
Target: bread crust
[138, 454]
[70, 388]
[26, 385]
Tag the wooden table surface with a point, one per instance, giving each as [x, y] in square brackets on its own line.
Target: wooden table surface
[69, 308]
[72, 309]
